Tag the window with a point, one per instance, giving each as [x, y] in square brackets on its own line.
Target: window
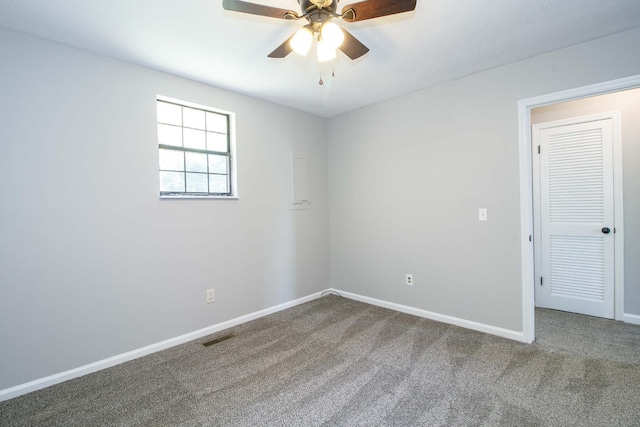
[196, 150]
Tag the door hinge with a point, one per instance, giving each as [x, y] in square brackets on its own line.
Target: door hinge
[530, 238]
[538, 149]
[541, 281]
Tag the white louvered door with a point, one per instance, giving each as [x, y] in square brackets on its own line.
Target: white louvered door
[576, 210]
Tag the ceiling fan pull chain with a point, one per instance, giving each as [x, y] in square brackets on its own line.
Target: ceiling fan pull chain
[333, 74]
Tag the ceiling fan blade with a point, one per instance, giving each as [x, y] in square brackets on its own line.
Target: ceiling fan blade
[352, 47]
[283, 50]
[376, 8]
[258, 9]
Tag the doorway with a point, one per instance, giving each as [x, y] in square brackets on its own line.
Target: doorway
[525, 108]
[573, 205]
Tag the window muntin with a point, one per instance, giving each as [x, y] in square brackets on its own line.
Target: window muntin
[195, 150]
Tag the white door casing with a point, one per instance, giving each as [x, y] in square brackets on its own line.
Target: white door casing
[573, 205]
[527, 184]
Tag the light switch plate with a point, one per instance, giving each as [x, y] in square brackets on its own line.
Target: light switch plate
[482, 214]
[211, 296]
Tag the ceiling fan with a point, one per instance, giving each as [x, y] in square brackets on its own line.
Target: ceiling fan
[319, 15]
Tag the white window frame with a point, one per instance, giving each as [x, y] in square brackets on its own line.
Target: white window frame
[233, 164]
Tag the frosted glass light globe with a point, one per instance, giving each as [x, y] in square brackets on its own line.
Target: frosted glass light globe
[301, 41]
[325, 52]
[332, 34]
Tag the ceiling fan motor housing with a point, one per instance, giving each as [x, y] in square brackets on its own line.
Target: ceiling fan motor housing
[316, 13]
[321, 4]
[308, 5]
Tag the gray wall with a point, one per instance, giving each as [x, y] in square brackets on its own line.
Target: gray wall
[92, 263]
[628, 103]
[407, 177]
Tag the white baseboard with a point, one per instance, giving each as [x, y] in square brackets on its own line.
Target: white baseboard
[481, 327]
[631, 318]
[41, 383]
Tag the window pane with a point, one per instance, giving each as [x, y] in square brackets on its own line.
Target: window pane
[169, 113]
[193, 118]
[171, 160]
[218, 184]
[196, 162]
[216, 142]
[217, 164]
[216, 122]
[194, 139]
[196, 183]
[172, 181]
[194, 150]
[170, 135]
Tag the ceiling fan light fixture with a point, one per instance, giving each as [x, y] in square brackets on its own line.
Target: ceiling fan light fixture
[332, 34]
[302, 40]
[325, 51]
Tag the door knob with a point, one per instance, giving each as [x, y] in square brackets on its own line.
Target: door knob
[606, 230]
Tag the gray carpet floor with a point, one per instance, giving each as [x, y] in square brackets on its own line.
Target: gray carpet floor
[338, 362]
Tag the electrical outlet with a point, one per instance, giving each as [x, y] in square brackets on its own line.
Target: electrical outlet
[211, 296]
[408, 279]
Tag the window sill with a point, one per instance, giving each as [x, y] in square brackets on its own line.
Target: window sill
[199, 197]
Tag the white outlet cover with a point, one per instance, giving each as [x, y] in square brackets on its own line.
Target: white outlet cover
[408, 279]
[482, 214]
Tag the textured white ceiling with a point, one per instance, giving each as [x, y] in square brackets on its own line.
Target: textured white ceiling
[440, 41]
